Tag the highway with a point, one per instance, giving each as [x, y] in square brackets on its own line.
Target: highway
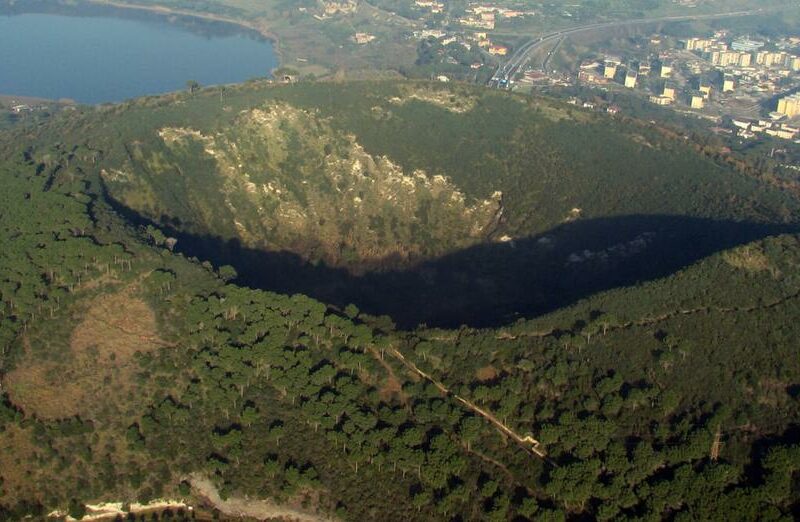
[523, 54]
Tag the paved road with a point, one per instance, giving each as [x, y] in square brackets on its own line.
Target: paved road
[524, 53]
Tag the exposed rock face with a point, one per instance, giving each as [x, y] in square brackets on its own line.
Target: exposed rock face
[281, 178]
[448, 100]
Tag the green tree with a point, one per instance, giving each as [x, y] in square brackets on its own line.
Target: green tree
[227, 273]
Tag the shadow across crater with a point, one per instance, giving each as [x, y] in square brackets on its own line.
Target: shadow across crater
[496, 283]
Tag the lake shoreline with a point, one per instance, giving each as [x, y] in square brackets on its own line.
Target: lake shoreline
[170, 11]
[132, 52]
[21, 98]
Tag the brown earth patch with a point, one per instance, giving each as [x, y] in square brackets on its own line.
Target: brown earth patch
[99, 366]
[750, 258]
[392, 388]
[487, 373]
[17, 458]
[45, 389]
[259, 509]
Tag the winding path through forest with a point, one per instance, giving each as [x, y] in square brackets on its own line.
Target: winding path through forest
[528, 443]
[647, 321]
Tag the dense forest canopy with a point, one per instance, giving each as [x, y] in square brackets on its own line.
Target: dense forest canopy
[651, 370]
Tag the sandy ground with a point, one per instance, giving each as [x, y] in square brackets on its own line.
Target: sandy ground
[257, 509]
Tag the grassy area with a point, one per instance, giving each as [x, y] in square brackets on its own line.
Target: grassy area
[99, 353]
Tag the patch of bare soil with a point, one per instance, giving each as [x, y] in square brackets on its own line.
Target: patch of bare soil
[391, 388]
[487, 373]
[257, 509]
[17, 455]
[99, 366]
[750, 258]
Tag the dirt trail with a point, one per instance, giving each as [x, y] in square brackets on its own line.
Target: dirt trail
[651, 320]
[245, 508]
[527, 442]
[393, 385]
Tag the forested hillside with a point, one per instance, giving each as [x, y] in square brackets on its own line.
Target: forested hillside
[442, 196]
[131, 369]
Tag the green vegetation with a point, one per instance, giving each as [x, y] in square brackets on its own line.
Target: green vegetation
[352, 192]
[289, 181]
[481, 141]
[129, 367]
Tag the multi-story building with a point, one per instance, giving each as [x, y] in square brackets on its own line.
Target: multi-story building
[362, 38]
[744, 59]
[789, 105]
[630, 79]
[728, 84]
[660, 100]
[780, 133]
[773, 59]
[746, 45]
[669, 91]
[728, 58]
[705, 89]
[698, 44]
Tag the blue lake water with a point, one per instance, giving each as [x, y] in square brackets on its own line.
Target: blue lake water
[104, 59]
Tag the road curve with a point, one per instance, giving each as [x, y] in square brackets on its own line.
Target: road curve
[523, 54]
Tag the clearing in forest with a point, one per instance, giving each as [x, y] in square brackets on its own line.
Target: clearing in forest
[487, 373]
[99, 366]
[257, 509]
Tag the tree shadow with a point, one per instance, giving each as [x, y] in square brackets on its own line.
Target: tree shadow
[493, 284]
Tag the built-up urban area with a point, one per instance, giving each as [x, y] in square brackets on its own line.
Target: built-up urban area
[751, 86]
[460, 35]
[468, 29]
